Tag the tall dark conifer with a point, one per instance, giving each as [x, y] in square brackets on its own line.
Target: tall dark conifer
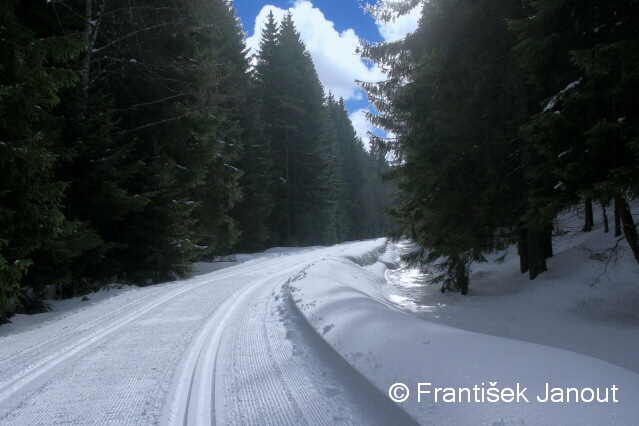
[356, 176]
[452, 99]
[172, 76]
[221, 40]
[34, 69]
[581, 59]
[293, 116]
[256, 205]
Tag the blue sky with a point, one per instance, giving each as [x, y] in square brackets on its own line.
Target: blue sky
[331, 30]
[344, 14]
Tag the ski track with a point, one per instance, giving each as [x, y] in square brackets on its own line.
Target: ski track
[226, 348]
[113, 323]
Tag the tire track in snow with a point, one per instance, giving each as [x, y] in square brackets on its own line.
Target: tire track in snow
[17, 381]
[24, 352]
[194, 395]
[193, 400]
[114, 312]
[285, 381]
[282, 372]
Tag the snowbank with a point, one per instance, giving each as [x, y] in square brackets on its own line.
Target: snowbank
[582, 304]
[343, 302]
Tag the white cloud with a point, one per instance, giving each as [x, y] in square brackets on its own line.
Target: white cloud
[397, 29]
[253, 42]
[360, 123]
[362, 127]
[333, 53]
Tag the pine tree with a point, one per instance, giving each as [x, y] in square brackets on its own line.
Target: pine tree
[34, 68]
[583, 132]
[356, 203]
[255, 206]
[163, 69]
[449, 98]
[294, 122]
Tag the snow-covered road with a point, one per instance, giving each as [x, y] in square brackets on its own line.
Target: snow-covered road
[290, 337]
[228, 347]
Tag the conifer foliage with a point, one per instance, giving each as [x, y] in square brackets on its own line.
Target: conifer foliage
[507, 113]
[318, 164]
[135, 138]
[34, 69]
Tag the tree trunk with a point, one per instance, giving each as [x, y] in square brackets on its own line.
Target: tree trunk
[536, 253]
[522, 248]
[589, 215]
[629, 228]
[548, 252]
[88, 32]
[91, 30]
[617, 218]
[289, 227]
[605, 217]
[461, 275]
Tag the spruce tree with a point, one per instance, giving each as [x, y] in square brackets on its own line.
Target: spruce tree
[221, 189]
[294, 122]
[34, 68]
[169, 75]
[451, 97]
[242, 106]
[581, 60]
[356, 174]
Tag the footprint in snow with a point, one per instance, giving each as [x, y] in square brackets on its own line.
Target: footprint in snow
[328, 328]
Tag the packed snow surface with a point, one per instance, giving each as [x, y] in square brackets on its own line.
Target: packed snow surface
[321, 335]
[226, 347]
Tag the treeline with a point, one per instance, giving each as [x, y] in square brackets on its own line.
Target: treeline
[135, 138]
[506, 113]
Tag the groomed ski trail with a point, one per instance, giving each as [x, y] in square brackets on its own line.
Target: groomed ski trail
[224, 348]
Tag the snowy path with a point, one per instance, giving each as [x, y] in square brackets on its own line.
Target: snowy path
[228, 347]
[304, 337]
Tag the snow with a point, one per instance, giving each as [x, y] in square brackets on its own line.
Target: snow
[223, 347]
[319, 335]
[510, 332]
[62, 308]
[584, 303]
[568, 151]
[551, 104]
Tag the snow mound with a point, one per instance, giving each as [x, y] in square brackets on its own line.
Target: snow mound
[345, 305]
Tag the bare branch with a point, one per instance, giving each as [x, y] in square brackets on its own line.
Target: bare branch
[134, 33]
[93, 27]
[146, 126]
[609, 256]
[168, 98]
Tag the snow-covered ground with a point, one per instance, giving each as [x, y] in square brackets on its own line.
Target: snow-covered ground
[320, 336]
[225, 347]
[574, 306]
[572, 328]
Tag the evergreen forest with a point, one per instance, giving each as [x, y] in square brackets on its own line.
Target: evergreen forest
[507, 113]
[139, 136]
